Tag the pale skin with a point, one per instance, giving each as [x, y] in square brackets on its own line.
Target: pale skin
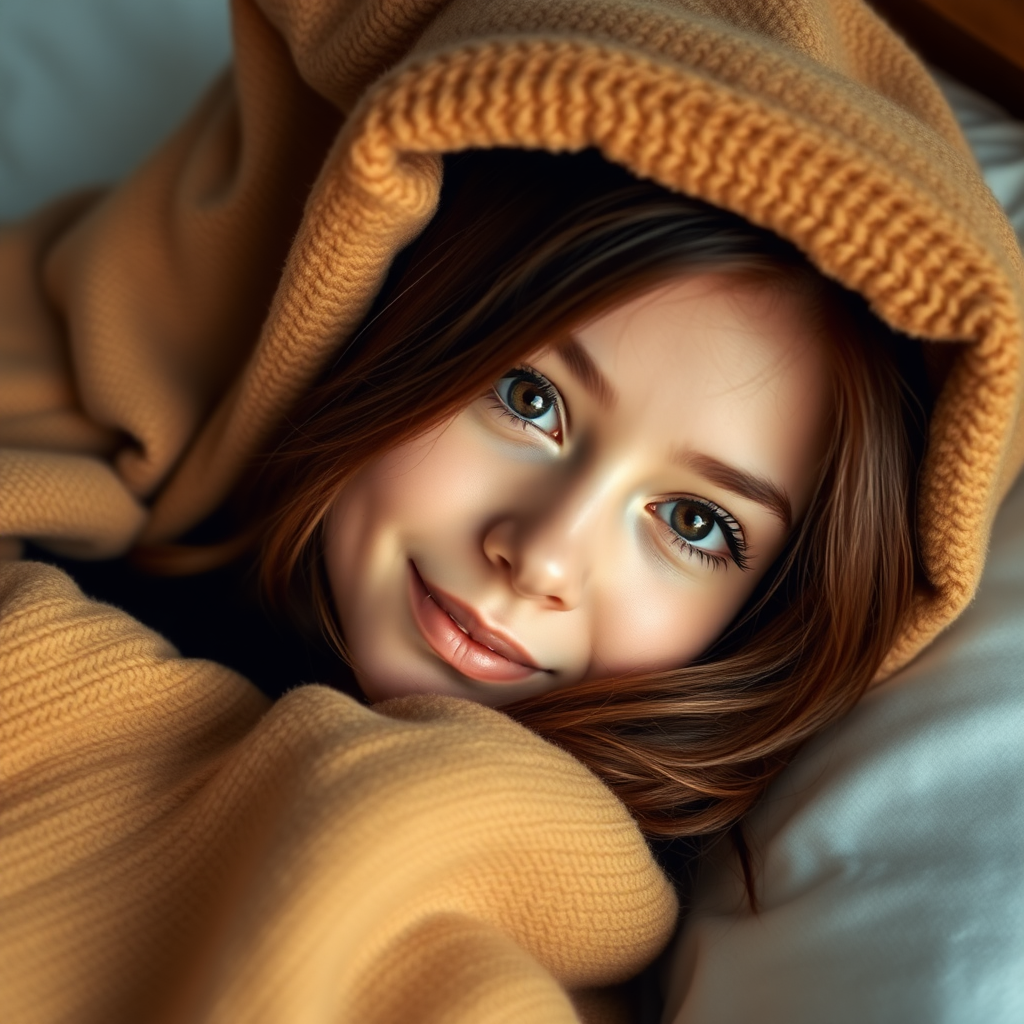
[605, 510]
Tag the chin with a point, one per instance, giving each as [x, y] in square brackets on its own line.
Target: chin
[387, 682]
[379, 686]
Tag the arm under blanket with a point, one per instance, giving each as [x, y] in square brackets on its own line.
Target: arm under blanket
[178, 849]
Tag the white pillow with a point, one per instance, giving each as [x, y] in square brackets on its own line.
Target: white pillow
[892, 849]
[88, 87]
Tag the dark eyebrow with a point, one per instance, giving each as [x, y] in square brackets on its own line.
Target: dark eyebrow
[580, 364]
[746, 485]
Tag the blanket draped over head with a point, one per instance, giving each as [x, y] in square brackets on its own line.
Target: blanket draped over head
[175, 850]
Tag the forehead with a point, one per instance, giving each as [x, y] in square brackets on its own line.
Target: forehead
[723, 326]
[720, 365]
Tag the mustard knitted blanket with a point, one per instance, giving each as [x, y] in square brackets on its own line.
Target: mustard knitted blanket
[175, 849]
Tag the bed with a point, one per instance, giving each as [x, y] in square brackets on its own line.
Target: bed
[891, 852]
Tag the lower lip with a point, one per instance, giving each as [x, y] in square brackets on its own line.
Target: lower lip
[459, 649]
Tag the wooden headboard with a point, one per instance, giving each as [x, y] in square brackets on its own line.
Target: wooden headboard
[981, 42]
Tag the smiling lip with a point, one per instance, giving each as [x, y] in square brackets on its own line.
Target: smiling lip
[458, 636]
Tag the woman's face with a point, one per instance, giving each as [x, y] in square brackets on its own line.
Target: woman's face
[605, 510]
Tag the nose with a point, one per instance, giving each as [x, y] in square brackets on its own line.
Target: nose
[545, 550]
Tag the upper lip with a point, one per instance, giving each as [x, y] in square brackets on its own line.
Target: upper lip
[469, 620]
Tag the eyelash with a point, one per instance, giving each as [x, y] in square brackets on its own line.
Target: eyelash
[546, 388]
[731, 531]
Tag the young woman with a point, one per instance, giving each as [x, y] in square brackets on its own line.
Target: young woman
[616, 461]
[565, 434]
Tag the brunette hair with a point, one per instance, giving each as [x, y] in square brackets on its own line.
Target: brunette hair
[523, 247]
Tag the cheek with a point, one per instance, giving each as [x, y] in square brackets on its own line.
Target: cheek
[651, 625]
[406, 487]
[426, 494]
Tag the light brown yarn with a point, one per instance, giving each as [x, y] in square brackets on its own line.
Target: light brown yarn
[175, 850]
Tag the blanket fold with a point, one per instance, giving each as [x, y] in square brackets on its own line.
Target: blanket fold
[178, 850]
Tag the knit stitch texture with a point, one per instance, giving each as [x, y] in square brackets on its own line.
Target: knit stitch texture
[178, 850]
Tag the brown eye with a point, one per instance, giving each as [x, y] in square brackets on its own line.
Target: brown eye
[691, 521]
[531, 399]
[526, 399]
[703, 530]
